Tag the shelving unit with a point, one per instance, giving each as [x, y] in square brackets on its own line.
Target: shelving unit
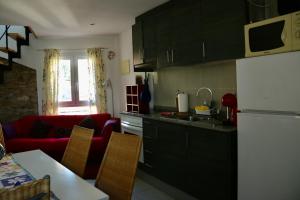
[133, 103]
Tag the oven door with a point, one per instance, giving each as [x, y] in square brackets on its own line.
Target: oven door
[135, 130]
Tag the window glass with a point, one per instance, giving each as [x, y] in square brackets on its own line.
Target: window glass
[84, 81]
[64, 86]
[76, 86]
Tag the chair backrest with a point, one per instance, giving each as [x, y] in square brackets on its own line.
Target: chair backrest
[118, 168]
[1, 136]
[77, 150]
[38, 189]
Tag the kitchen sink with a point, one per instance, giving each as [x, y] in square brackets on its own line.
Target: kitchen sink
[194, 118]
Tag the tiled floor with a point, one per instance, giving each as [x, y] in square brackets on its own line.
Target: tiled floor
[145, 191]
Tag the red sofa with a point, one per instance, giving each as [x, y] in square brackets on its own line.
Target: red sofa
[20, 136]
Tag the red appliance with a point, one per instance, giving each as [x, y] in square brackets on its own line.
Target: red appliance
[230, 102]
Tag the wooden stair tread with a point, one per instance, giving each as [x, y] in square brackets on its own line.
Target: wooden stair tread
[31, 30]
[16, 36]
[7, 50]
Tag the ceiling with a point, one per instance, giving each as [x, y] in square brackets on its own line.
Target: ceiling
[70, 18]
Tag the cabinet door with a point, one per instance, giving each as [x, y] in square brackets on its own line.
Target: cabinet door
[223, 29]
[163, 20]
[149, 141]
[149, 39]
[137, 43]
[171, 147]
[209, 163]
[187, 35]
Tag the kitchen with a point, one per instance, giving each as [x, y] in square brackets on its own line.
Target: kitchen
[204, 69]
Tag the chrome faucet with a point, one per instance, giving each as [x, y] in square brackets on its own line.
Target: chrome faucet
[210, 92]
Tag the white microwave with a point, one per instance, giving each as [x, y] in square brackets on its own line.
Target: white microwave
[275, 35]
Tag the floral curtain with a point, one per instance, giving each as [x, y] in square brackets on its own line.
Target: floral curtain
[50, 82]
[97, 77]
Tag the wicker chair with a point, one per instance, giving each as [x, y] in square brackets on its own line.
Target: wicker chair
[77, 150]
[118, 168]
[38, 189]
[1, 136]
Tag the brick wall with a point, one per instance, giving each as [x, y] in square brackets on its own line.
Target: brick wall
[18, 93]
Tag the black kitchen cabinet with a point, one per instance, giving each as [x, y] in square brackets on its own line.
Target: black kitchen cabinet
[144, 43]
[187, 32]
[198, 161]
[171, 145]
[211, 164]
[149, 146]
[137, 43]
[177, 33]
[223, 29]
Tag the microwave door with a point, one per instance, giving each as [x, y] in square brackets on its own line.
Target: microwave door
[266, 37]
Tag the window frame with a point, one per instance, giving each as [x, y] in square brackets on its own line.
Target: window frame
[73, 57]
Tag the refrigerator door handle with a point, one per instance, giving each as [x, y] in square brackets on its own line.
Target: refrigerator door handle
[270, 112]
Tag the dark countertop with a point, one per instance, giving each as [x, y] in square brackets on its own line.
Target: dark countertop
[211, 124]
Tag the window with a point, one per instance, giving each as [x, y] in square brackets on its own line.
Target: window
[74, 95]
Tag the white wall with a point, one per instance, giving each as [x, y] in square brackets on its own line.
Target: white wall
[33, 56]
[126, 53]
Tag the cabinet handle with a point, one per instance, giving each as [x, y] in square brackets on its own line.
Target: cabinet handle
[148, 165]
[148, 151]
[172, 55]
[203, 50]
[142, 54]
[168, 58]
[147, 137]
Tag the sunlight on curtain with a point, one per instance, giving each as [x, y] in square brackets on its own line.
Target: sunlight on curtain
[96, 70]
[50, 82]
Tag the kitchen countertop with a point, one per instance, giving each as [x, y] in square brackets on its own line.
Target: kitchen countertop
[211, 124]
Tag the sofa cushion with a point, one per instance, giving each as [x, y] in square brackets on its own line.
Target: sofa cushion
[60, 132]
[88, 122]
[40, 129]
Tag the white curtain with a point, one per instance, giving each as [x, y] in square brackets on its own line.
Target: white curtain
[97, 76]
[50, 82]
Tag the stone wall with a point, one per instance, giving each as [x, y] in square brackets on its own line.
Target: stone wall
[18, 93]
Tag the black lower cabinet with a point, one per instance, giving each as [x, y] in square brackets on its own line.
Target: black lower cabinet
[208, 162]
[198, 161]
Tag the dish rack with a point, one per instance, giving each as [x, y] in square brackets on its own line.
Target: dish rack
[203, 112]
[206, 103]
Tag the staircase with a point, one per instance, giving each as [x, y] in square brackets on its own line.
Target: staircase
[11, 40]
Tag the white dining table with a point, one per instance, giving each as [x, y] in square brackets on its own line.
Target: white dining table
[63, 182]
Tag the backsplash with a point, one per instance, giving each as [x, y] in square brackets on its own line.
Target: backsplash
[220, 77]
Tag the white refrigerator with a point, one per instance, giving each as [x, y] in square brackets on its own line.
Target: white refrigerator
[268, 91]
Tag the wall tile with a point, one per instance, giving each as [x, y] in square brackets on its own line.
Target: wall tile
[220, 77]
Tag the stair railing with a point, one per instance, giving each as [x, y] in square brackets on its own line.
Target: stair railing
[6, 35]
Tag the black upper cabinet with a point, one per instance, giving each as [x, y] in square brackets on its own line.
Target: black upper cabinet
[192, 31]
[187, 33]
[178, 34]
[137, 43]
[223, 29]
[144, 45]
